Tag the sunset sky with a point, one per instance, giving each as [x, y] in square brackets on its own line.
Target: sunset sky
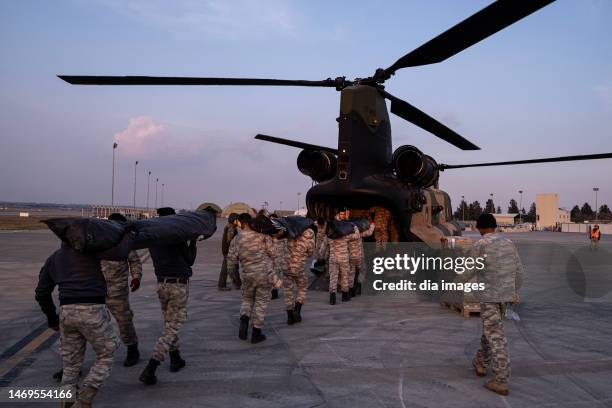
[542, 87]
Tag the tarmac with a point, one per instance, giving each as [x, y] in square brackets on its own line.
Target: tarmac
[389, 350]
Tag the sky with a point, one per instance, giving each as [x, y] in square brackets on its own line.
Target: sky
[542, 87]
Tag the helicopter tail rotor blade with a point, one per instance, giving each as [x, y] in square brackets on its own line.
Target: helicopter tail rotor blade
[294, 143]
[531, 161]
[154, 80]
[470, 31]
[412, 114]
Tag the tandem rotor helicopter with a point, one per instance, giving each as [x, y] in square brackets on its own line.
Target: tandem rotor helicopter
[363, 169]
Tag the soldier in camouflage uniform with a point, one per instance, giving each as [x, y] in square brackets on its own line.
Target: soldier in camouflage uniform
[281, 255]
[356, 259]
[254, 252]
[84, 317]
[172, 264]
[339, 266]
[116, 274]
[502, 277]
[300, 249]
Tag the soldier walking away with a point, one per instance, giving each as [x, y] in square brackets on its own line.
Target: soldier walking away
[172, 266]
[339, 267]
[321, 251]
[300, 249]
[356, 259]
[254, 251]
[595, 236]
[84, 317]
[502, 277]
[281, 255]
[117, 274]
[229, 232]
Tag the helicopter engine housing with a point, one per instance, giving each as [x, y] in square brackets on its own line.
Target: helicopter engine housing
[413, 167]
[317, 164]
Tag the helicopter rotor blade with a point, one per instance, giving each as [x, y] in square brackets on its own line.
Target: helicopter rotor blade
[294, 143]
[414, 115]
[154, 80]
[486, 22]
[544, 160]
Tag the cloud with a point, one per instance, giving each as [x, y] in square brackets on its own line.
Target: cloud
[217, 17]
[142, 137]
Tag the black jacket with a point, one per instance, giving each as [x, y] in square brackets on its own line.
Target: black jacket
[174, 261]
[78, 276]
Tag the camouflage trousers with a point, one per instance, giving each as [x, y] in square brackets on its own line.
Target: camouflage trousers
[292, 279]
[356, 265]
[81, 324]
[493, 343]
[255, 299]
[173, 300]
[119, 306]
[338, 270]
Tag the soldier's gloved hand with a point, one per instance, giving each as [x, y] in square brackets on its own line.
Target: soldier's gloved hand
[135, 284]
[53, 322]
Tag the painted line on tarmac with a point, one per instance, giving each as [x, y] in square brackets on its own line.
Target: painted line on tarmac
[22, 354]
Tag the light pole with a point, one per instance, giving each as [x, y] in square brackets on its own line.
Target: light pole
[521, 207]
[596, 189]
[298, 201]
[135, 165]
[463, 208]
[148, 185]
[162, 194]
[113, 182]
[492, 204]
[156, 183]
[280, 207]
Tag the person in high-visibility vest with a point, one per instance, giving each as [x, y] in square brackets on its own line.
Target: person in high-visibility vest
[595, 236]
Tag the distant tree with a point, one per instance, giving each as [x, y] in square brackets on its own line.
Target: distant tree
[462, 210]
[604, 209]
[576, 215]
[475, 210]
[489, 206]
[513, 207]
[499, 209]
[531, 215]
[587, 211]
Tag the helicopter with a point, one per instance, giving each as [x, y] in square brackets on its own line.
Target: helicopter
[362, 173]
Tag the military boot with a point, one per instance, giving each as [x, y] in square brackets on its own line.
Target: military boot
[133, 355]
[84, 397]
[297, 312]
[498, 387]
[176, 362]
[148, 374]
[274, 293]
[290, 317]
[243, 332]
[358, 289]
[257, 336]
[332, 298]
[57, 376]
[480, 369]
[352, 291]
[346, 296]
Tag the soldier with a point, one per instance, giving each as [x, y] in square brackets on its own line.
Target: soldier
[383, 218]
[173, 269]
[229, 232]
[502, 276]
[356, 260]
[84, 317]
[281, 255]
[321, 251]
[300, 249]
[339, 267]
[254, 251]
[117, 296]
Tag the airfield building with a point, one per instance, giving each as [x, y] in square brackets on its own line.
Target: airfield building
[548, 213]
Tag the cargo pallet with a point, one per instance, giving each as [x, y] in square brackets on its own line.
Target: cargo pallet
[466, 309]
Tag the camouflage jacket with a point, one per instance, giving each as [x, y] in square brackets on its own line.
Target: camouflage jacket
[254, 251]
[300, 249]
[281, 255]
[502, 273]
[116, 274]
[321, 247]
[355, 246]
[338, 248]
